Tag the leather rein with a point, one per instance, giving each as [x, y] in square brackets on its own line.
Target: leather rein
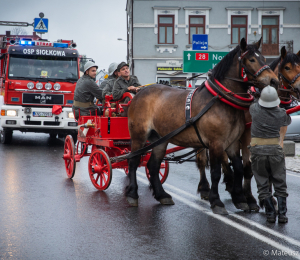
[231, 98]
[243, 71]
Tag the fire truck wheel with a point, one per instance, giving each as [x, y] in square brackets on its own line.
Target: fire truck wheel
[163, 172]
[6, 136]
[74, 137]
[69, 156]
[52, 135]
[100, 169]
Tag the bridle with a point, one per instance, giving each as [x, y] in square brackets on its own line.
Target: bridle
[290, 88]
[243, 71]
[241, 65]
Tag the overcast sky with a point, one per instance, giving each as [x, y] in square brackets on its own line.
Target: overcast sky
[94, 25]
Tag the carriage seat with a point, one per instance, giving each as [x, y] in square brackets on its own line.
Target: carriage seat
[117, 107]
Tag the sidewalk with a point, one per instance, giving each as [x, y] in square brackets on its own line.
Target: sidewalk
[292, 163]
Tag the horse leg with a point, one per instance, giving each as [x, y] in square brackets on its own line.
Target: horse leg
[215, 158]
[228, 173]
[131, 190]
[251, 201]
[153, 165]
[201, 161]
[133, 163]
[237, 194]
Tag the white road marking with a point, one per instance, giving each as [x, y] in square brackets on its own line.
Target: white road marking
[232, 223]
[293, 175]
[229, 222]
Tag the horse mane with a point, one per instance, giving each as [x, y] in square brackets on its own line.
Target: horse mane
[274, 63]
[223, 66]
[290, 58]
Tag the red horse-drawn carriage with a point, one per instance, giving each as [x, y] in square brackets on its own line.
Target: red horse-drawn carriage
[108, 137]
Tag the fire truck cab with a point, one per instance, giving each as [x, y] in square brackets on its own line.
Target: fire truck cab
[37, 83]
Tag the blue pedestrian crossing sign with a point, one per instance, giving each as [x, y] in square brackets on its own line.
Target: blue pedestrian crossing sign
[40, 25]
[200, 42]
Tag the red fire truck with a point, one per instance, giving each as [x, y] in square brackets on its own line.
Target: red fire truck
[37, 83]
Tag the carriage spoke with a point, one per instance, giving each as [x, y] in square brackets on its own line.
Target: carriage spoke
[98, 175]
[161, 174]
[101, 180]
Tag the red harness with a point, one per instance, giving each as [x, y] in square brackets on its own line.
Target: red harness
[225, 100]
[281, 101]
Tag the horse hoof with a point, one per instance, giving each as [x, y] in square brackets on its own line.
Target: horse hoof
[166, 201]
[253, 207]
[204, 195]
[242, 206]
[219, 210]
[132, 202]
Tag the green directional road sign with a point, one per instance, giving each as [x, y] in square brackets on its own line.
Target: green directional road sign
[201, 61]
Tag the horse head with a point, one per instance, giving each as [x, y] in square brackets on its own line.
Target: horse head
[289, 71]
[254, 64]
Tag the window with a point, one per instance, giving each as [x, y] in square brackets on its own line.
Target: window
[165, 29]
[238, 29]
[270, 31]
[196, 25]
[174, 81]
[36, 67]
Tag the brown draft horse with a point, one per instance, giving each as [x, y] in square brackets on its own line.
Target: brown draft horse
[287, 67]
[158, 110]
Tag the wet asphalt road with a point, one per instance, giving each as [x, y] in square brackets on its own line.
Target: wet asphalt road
[44, 215]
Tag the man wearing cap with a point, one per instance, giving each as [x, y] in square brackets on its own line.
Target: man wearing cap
[85, 92]
[107, 85]
[126, 82]
[267, 155]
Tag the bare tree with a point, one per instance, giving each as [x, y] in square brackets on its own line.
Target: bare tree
[18, 31]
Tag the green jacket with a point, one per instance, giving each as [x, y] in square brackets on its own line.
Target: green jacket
[104, 82]
[86, 90]
[108, 89]
[121, 85]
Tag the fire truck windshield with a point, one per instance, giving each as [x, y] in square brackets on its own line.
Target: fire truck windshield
[37, 67]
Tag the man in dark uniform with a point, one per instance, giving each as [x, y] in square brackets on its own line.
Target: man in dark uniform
[85, 92]
[108, 84]
[126, 82]
[267, 157]
[112, 74]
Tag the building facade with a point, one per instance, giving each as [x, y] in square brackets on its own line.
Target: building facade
[159, 31]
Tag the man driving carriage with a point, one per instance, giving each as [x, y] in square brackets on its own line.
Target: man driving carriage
[125, 83]
[85, 92]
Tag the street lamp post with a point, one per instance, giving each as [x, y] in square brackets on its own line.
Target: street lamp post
[120, 39]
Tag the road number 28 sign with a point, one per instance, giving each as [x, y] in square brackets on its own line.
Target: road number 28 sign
[202, 56]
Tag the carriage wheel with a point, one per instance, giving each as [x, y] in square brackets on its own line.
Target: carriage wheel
[126, 170]
[100, 170]
[163, 172]
[69, 156]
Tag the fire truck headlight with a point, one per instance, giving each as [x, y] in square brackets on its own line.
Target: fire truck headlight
[48, 86]
[56, 86]
[39, 85]
[11, 113]
[30, 85]
[71, 115]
